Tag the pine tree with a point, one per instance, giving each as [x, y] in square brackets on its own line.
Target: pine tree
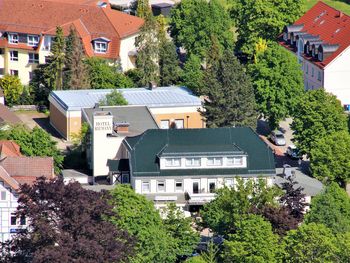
[76, 72]
[143, 9]
[147, 47]
[54, 69]
[230, 94]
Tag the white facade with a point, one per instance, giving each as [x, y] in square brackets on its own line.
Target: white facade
[127, 52]
[9, 224]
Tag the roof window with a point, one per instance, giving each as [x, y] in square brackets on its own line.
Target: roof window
[100, 46]
[13, 38]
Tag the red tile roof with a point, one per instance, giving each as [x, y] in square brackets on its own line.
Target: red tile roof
[9, 148]
[7, 116]
[90, 21]
[332, 26]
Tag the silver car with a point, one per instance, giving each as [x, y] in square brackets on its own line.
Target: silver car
[277, 138]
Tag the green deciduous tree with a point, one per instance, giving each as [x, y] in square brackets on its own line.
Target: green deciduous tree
[75, 72]
[278, 83]
[138, 216]
[329, 157]
[194, 22]
[331, 208]
[55, 65]
[253, 242]
[113, 98]
[147, 59]
[186, 239]
[192, 74]
[143, 8]
[226, 210]
[265, 19]
[310, 243]
[230, 94]
[317, 114]
[36, 142]
[102, 75]
[13, 89]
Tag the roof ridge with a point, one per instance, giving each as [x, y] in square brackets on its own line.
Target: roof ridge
[335, 9]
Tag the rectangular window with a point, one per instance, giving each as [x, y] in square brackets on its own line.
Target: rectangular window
[13, 38]
[3, 195]
[232, 161]
[100, 47]
[194, 162]
[13, 55]
[2, 71]
[211, 187]
[319, 76]
[47, 43]
[173, 162]
[160, 186]
[32, 41]
[2, 51]
[195, 187]
[13, 220]
[13, 72]
[179, 124]
[164, 124]
[229, 182]
[23, 221]
[214, 161]
[146, 187]
[178, 186]
[33, 58]
[30, 75]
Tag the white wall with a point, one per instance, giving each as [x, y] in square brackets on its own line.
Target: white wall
[337, 77]
[311, 76]
[127, 45]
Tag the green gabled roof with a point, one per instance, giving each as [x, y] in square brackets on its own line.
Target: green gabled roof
[146, 148]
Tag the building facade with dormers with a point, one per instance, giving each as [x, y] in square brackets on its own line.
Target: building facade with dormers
[320, 40]
[186, 166]
[28, 27]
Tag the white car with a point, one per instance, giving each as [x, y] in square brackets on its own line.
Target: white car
[277, 138]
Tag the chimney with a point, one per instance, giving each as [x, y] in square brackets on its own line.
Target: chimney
[152, 85]
[340, 14]
[121, 127]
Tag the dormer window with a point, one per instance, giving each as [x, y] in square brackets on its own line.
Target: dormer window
[13, 38]
[32, 41]
[193, 162]
[173, 162]
[100, 46]
[234, 161]
[214, 161]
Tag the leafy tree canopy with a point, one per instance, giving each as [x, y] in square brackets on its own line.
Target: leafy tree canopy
[192, 74]
[138, 216]
[253, 241]
[13, 89]
[230, 94]
[329, 158]
[36, 142]
[194, 22]
[262, 19]
[331, 208]
[317, 114]
[66, 224]
[310, 243]
[278, 83]
[114, 98]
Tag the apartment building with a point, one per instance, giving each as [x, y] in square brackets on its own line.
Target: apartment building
[171, 106]
[320, 40]
[27, 31]
[187, 165]
[15, 170]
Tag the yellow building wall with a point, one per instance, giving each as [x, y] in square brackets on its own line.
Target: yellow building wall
[74, 126]
[192, 120]
[58, 120]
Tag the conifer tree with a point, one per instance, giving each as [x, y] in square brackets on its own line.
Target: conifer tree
[54, 69]
[76, 72]
[143, 9]
[230, 95]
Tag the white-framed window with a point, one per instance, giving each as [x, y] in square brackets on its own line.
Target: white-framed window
[33, 58]
[229, 182]
[3, 195]
[319, 75]
[100, 47]
[13, 72]
[211, 185]
[22, 221]
[47, 43]
[232, 161]
[193, 162]
[179, 123]
[13, 219]
[146, 187]
[173, 162]
[13, 55]
[214, 161]
[160, 186]
[32, 41]
[13, 38]
[178, 186]
[164, 124]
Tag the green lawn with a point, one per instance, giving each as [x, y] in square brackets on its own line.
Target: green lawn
[340, 5]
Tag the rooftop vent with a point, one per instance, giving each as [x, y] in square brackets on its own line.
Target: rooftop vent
[121, 127]
[102, 4]
[339, 14]
[152, 85]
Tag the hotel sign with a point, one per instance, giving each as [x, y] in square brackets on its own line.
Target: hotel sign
[103, 126]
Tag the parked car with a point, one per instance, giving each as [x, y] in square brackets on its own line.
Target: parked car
[277, 138]
[293, 152]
